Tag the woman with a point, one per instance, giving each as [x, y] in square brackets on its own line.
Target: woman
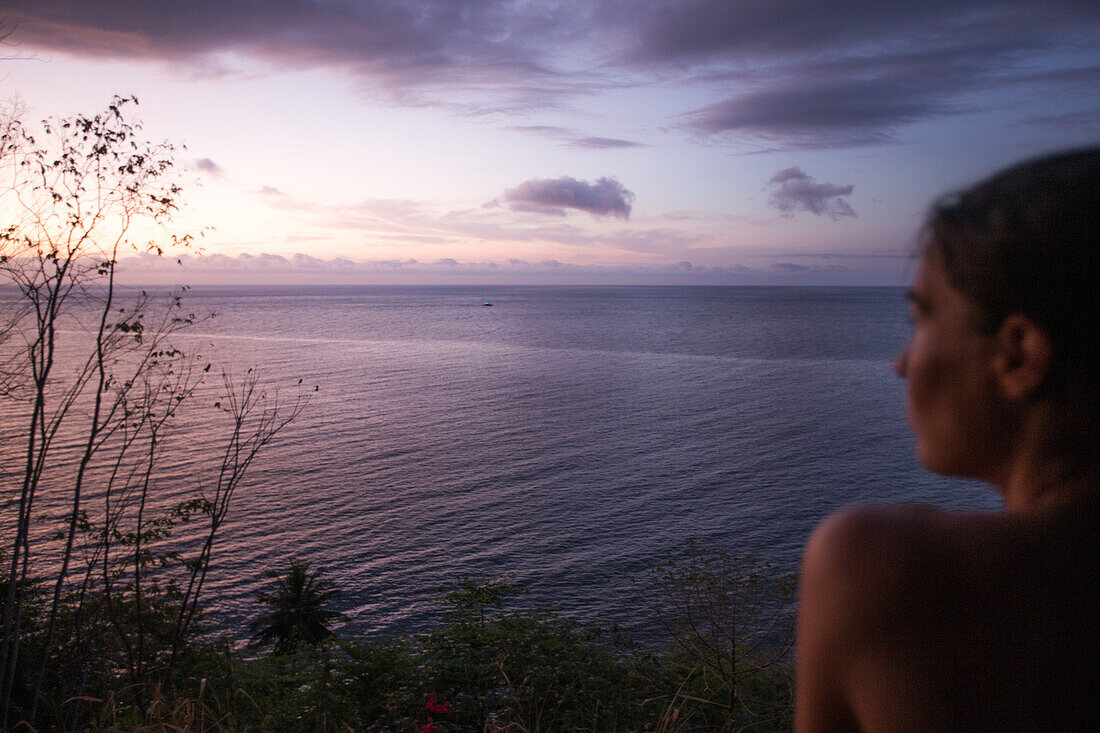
[916, 619]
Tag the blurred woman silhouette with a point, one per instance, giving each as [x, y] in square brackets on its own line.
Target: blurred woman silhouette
[916, 619]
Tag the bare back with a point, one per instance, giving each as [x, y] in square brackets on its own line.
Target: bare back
[916, 619]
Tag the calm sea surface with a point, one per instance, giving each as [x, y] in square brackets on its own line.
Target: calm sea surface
[570, 436]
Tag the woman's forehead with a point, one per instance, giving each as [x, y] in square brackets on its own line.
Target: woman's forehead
[928, 279]
[932, 286]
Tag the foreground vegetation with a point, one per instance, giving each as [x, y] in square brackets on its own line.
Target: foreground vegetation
[488, 665]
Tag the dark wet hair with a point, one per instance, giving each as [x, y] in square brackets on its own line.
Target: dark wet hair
[1027, 240]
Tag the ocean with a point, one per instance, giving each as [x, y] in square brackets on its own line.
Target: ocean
[570, 437]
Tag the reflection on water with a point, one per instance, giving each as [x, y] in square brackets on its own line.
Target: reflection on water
[571, 436]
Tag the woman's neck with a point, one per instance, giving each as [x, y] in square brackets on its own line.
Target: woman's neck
[1042, 475]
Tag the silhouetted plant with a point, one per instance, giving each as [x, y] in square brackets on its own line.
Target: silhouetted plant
[298, 611]
[533, 669]
[729, 623]
[497, 669]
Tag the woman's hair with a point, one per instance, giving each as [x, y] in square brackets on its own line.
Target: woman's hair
[1027, 241]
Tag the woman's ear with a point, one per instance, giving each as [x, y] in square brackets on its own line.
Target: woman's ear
[1023, 359]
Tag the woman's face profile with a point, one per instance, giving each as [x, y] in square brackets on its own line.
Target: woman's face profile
[951, 393]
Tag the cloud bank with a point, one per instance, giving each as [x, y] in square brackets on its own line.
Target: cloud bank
[605, 197]
[838, 73]
[300, 269]
[794, 191]
[787, 74]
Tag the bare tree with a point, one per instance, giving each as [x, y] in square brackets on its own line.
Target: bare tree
[90, 372]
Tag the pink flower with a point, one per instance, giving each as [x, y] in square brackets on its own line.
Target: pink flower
[427, 728]
[436, 704]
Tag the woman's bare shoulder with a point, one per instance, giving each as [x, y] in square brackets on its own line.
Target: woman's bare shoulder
[866, 563]
[904, 611]
[857, 569]
[874, 582]
[864, 537]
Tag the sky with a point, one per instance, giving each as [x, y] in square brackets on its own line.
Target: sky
[577, 141]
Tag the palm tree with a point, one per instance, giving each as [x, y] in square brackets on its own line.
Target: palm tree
[297, 608]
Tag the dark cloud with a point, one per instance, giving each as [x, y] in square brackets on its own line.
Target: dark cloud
[793, 191]
[790, 267]
[794, 74]
[603, 143]
[1083, 120]
[841, 73]
[548, 130]
[818, 113]
[405, 47]
[705, 31]
[855, 100]
[605, 197]
[575, 140]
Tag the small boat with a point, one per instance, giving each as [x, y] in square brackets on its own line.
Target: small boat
[488, 304]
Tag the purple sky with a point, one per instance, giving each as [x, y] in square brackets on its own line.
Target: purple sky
[600, 141]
